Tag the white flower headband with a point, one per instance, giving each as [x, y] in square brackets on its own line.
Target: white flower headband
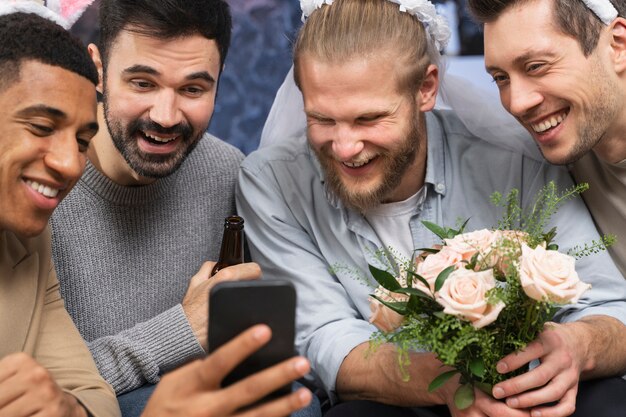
[424, 10]
[604, 9]
[63, 12]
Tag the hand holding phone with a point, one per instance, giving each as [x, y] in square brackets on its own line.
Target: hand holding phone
[195, 388]
[238, 305]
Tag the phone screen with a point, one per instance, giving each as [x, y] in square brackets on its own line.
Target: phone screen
[238, 305]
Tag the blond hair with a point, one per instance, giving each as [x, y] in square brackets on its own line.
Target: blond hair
[356, 28]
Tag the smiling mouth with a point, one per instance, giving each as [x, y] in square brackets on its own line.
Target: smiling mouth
[549, 123]
[159, 140]
[358, 163]
[44, 190]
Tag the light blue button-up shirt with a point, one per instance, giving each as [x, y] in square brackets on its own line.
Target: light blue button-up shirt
[299, 231]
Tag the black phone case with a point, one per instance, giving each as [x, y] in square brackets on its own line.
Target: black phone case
[238, 305]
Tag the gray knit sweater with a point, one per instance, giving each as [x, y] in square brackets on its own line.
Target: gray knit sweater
[124, 257]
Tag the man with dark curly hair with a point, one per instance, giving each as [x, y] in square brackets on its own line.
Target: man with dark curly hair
[48, 117]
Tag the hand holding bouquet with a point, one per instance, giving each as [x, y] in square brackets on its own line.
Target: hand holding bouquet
[480, 295]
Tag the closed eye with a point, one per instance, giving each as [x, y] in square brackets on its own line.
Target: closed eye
[141, 84]
[41, 130]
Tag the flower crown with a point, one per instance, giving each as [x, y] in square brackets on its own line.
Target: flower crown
[423, 10]
[63, 12]
[604, 9]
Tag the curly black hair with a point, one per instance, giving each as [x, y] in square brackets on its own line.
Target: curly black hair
[27, 36]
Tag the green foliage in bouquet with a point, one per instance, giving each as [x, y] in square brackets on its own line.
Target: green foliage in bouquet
[471, 349]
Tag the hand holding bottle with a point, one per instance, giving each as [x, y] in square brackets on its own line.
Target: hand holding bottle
[196, 301]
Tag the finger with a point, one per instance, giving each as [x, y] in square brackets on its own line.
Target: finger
[26, 404]
[487, 406]
[281, 407]
[203, 274]
[269, 380]
[9, 393]
[242, 272]
[28, 376]
[220, 363]
[532, 379]
[553, 391]
[565, 407]
[516, 360]
[12, 364]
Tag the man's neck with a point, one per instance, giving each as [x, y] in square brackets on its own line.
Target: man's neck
[103, 155]
[612, 149]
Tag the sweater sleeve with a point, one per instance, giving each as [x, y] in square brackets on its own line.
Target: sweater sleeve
[140, 354]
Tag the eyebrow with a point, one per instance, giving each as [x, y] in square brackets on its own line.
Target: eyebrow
[52, 112]
[519, 60]
[145, 69]
[39, 109]
[201, 75]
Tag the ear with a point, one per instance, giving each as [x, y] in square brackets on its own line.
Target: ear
[618, 44]
[94, 52]
[427, 93]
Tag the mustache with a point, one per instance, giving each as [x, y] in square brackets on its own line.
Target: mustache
[182, 129]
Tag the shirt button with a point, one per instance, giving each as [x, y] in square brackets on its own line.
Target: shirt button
[440, 188]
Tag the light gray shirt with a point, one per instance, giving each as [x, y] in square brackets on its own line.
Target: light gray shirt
[298, 230]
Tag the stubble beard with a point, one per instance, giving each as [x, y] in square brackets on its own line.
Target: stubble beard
[593, 126]
[395, 163]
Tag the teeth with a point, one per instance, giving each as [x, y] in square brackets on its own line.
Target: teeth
[43, 189]
[159, 139]
[357, 164]
[548, 124]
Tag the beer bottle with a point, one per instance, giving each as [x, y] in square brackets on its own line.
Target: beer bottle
[231, 252]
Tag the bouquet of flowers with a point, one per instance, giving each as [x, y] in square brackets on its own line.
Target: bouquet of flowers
[480, 295]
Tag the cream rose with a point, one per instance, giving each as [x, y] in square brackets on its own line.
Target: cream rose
[384, 318]
[548, 275]
[430, 267]
[468, 244]
[463, 294]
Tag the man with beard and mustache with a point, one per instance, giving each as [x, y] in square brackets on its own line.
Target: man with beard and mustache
[132, 240]
[375, 162]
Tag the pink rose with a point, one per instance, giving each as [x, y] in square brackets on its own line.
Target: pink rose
[463, 294]
[548, 275]
[468, 244]
[430, 268]
[384, 318]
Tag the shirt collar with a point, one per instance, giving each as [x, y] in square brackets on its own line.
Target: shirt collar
[435, 161]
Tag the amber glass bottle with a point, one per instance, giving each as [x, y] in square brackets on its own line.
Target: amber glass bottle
[231, 252]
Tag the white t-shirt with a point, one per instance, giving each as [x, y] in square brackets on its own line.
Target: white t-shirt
[391, 223]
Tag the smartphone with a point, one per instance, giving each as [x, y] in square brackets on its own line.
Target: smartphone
[237, 306]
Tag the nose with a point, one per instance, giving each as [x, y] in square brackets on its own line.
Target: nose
[522, 97]
[65, 159]
[347, 142]
[165, 110]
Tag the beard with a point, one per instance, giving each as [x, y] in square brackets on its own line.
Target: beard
[146, 164]
[394, 163]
